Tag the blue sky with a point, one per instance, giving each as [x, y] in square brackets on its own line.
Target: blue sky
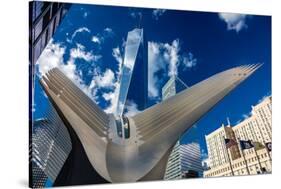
[89, 45]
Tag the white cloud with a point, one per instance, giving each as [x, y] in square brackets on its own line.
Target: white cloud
[117, 55]
[162, 56]
[99, 38]
[96, 39]
[156, 13]
[106, 79]
[79, 30]
[69, 69]
[234, 21]
[81, 53]
[86, 14]
[172, 57]
[155, 63]
[189, 61]
[108, 30]
[112, 96]
[131, 108]
[51, 57]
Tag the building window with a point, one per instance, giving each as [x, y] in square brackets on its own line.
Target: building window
[37, 50]
[46, 19]
[38, 29]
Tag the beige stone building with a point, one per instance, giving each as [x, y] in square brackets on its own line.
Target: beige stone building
[239, 166]
[217, 151]
[257, 128]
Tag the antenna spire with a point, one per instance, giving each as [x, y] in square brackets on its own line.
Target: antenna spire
[228, 122]
[140, 14]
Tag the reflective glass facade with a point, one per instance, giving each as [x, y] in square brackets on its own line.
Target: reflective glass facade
[133, 81]
[50, 147]
[44, 19]
[172, 87]
[183, 158]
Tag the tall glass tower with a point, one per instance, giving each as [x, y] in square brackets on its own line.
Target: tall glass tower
[134, 78]
[172, 87]
[50, 148]
[184, 157]
[133, 81]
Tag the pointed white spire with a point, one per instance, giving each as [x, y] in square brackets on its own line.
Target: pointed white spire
[228, 122]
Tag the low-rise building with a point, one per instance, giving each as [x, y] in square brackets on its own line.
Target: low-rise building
[256, 128]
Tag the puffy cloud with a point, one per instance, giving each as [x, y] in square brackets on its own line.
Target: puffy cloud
[96, 39]
[131, 108]
[80, 52]
[117, 55]
[162, 56]
[189, 61]
[156, 13]
[155, 63]
[112, 98]
[113, 95]
[105, 80]
[172, 57]
[234, 21]
[99, 38]
[51, 57]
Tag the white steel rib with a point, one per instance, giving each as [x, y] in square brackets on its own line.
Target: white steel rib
[153, 132]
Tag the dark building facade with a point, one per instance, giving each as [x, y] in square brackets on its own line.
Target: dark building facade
[39, 178]
[44, 19]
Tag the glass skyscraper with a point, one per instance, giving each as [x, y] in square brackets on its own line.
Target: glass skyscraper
[184, 162]
[134, 78]
[50, 148]
[44, 19]
[173, 86]
[184, 158]
[47, 154]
